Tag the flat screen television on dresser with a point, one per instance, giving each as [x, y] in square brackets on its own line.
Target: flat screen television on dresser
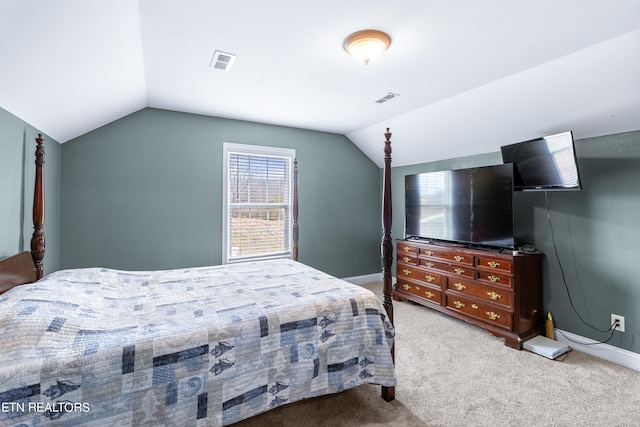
[471, 206]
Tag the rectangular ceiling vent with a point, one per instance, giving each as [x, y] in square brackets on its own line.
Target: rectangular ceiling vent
[222, 60]
[387, 97]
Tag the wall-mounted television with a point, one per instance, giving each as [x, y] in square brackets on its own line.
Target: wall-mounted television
[547, 163]
[472, 205]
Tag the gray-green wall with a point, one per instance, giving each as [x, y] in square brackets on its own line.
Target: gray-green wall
[17, 169]
[596, 233]
[145, 192]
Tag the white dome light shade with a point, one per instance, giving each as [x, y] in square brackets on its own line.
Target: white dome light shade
[367, 45]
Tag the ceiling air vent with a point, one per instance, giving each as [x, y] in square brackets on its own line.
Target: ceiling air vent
[222, 60]
[387, 97]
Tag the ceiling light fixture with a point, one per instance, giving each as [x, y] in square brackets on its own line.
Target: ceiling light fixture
[367, 45]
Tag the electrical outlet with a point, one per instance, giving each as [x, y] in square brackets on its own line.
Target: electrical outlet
[620, 320]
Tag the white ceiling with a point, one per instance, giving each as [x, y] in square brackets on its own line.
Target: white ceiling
[472, 75]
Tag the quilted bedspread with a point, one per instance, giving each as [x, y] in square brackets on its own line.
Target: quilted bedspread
[198, 346]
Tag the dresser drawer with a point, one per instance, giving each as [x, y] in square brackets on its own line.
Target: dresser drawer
[431, 263]
[407, 259]
[460, 258]
[407, 249]
[432, 294]
[495, 278]
[410, 272]
[447, 255]
[482, 291]
[486, 312]
[458, 270]
[430, 252]
[434, 252]
[495, 264]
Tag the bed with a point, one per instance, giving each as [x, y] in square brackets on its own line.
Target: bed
[194, 346]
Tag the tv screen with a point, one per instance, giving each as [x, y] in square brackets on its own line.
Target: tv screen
[465, 205]
[547, 163]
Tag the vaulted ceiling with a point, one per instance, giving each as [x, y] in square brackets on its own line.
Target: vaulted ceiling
[472, 75]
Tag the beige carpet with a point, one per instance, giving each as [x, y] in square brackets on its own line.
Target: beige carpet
[454, 374]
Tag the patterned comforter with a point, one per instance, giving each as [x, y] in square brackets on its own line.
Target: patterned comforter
[199, 346]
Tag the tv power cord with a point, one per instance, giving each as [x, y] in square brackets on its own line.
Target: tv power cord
[614, 325]
[613, 328]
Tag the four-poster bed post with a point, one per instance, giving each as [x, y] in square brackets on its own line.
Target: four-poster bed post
[388, 393]
[295, 209]
[37, 240]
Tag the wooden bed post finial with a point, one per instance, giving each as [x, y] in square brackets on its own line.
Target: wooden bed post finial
[37, 240]
[388, 393]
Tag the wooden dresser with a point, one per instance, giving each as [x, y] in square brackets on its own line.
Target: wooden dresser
[495, 290]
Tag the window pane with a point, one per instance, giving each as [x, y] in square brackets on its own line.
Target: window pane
[254, 179]
[258, 232]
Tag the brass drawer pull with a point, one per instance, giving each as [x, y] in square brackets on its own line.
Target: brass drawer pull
[407, 248]
[429, 278]
[493, 264]
[494, 296]
[406, 287]
[492, 315]
[430, 295]
[458, 258]
[494, 279]
[459, 271]
[460, 286]
[429, 264]
[458, 304]
[407, 272]
[406, 259]
[429, 253]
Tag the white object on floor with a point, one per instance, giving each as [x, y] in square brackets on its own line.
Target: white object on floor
[545, 347]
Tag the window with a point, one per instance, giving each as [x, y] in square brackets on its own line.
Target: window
[257, 202]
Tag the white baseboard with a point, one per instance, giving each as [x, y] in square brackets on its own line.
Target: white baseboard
[361, 280]
[604, 351]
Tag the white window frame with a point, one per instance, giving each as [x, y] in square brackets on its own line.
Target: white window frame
[254, 150]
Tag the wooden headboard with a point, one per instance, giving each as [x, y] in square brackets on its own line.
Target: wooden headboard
[17, 270]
